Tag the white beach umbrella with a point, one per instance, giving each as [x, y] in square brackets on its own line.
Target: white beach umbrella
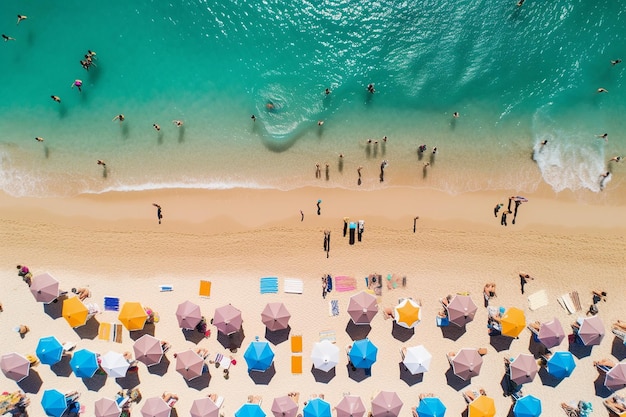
[325, 355]
[417, 359]
[114, 364]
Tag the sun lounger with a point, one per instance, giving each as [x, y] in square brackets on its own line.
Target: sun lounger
[293, 286]
[328, 335]
[333, 308]
[296, 343]
[296, 364]
[615, 405]
[566, 302]
[344, 283]
[205, 288]
[111, 304]
[269, 285]
[619, 333]
[537, 300]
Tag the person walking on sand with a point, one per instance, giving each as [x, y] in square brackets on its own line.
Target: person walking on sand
[358, 171]
[383, 165]
[319, 209]
[517, 204]
[503, 218]
[56, 98]
[119, 117]
[301, 216]
[159, 212]
[101, 162]
[496, 209]
[415, 219]
[523, 280]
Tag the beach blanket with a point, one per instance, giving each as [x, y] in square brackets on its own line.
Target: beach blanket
[343, 283]
[269, 285]
[109, 331]
[333, 308]
[293, 286]
[111, 304]
[329, 335]
[537, 300]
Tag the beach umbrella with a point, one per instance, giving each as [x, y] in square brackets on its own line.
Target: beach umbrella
[250, 410]
[132, 315]
[275, 316]
[317, 408]
[106, 407]
[616, 377]
[591, 331]
[408, 313]
[14, 366]
[386, 404]
[350, 406]
[114, 364]
[53, 402]
[49, 350]
[84, 363]
[466, 363]
[227, 319]
[527, 406]
[417, 359]
[284, 406]
[189, 364]
[155, 407]
[259, 356]
[148, 350]
[513, 322]
[325, 355]
[363, 354]
[461, 310]
[75, 312]
[45, 288]
[188, 315]
[482, 406]
[431, 407]
[362, 308]
[523, 369]
[204, 407]
[561, 364]
[551, 333]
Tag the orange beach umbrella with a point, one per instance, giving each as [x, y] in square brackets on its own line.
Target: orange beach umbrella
[133, 316]
[74, 311]
[482, 406]
[513, 322]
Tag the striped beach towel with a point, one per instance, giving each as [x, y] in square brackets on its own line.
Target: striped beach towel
[269, 285]
[293, 286]
[329, 335]
[343, 283]
[111, 304]
[109, 331]
[333, 308]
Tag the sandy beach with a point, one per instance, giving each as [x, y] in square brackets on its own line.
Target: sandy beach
[113, 244]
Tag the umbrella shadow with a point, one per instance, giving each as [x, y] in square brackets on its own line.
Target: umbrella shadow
[358, 331]
[231, 341]
[356, 374]
[579, 350]
[401, 333]
[96, 382]
[160, 368]
[200, 382]
[54, 310]
[535, 348]
[454, 381]
[89, 330]
[321, 376]
[408, 377]
[601, 390]
[500, 342]
[547, 379]
[193, 336]
[618, 349]
[32, 383]
[452, 332]
[263, 378]
[62, 367]
[173, 412]
[277, 337]
[148, 328]
[130, 381]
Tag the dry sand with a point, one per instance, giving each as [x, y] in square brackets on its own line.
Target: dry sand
[113, 244]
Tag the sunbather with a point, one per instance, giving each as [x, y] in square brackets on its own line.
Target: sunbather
[169, 398]
[82, 293]
[471, 395]
[165, 346]
[604, 364]
[295, 396]
[202, 352]
[616, 404]
[426, 395]
[621, 325]
[388, 313]
[255, 399]
[534, 327]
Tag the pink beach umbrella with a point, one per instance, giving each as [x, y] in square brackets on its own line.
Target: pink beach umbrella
[461, 310]
[14, 366]
[227, 319]
[204, 407]
[155, 407]
[284, 406]
[106, 407]
[466, 363]
[189, 364]
[362, 308]
[551, 333]
[45, 288]
[386, 404]
[188, 315]
[148, 350]
[591, 331]
[350, 406]
[275, 316]
[616, 377]
[523, 369]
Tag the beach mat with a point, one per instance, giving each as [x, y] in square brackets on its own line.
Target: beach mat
[333, 308]
[344, 283]
[110, 331]
[537, 300]
[111, 304]
[269, 285]
[205, 288]
[293, 286]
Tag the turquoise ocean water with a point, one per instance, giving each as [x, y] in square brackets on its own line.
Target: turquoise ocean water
[516, 75]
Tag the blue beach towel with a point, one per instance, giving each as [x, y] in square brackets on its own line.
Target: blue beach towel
[329, 283]
[269, 285]
[334, 308]
[111, 304]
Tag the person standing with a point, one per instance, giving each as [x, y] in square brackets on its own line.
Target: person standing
[517, 204]
[496, 209]
[159, 212]
[523, 280]
[503, 218]
[319, 208]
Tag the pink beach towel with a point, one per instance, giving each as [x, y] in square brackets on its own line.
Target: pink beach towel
[344, 283]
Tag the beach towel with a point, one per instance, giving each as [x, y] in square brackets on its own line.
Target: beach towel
[329, 283]
[223, 361]
[344, 283]
[538, 300]
[109, 331]
[328, 335]
[333, 308]
[205, 289]
[296, 364]
[166, 287]
[296, 343]
[576, 300]
[269, 285]
[566, 302]
[293, 286]
[111, 304]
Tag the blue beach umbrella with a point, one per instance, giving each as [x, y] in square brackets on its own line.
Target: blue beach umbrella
[527, 406]
[561, 364]
[250, 410]
[317, 408]
[259, 356]
[84, 363]
[431, 407]
[49, 350]
[53, 403]
[363, 354]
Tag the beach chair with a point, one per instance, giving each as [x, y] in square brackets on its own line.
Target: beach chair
[296, 364]
[111, 304]
[205, 288]
[296, 343]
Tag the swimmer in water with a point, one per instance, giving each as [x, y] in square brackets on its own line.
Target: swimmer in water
[157, 127]
[56, 98]
[7, 38]
[604, 136]
[78, 84]
[615, 61]
[178, 123]
[616, 159]
[602, 90]
[38, 139]
[21, 17]
[119, 117]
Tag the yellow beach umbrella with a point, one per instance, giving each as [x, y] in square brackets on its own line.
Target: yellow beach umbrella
[513, 322]
[74, 311]
[482, 406]
[133, 316]
[407, 313]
